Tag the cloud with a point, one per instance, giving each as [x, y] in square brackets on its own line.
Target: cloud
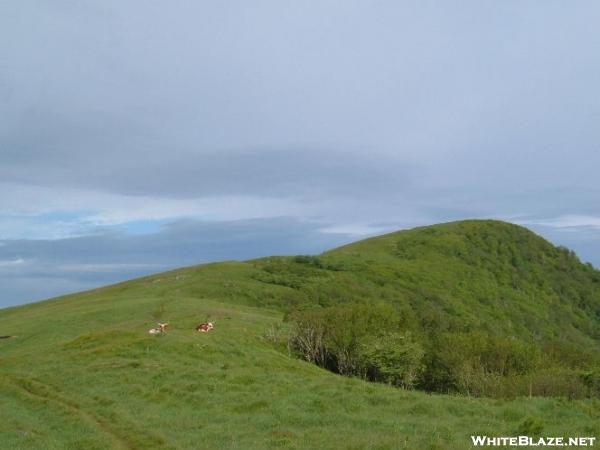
[11, 262]
[124, 121]
[575, 231]
[36, 269]
[99, 100]
[567, 221]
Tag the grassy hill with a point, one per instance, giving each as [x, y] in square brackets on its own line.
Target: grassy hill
[81, 371]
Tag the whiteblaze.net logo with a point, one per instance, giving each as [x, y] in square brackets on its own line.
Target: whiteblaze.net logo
[527, 441]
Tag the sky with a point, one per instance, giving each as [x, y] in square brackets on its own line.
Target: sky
[143, 135]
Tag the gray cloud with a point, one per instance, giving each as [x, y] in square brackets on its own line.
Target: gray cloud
[263, 172]
[160, 100]
[36, 269]
[347, 114]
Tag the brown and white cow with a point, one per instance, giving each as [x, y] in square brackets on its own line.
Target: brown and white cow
[162, 328]
[205, 327]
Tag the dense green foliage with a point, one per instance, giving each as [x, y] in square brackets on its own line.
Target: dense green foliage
[476, 307]
[361, 339]
[498, 310]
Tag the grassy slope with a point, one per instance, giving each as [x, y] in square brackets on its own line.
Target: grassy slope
[481, 274]
[83, 372]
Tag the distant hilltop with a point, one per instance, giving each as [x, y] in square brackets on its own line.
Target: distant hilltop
[475, 309]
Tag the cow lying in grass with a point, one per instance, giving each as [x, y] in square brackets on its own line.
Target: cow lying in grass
[205, 327]
[162, 328]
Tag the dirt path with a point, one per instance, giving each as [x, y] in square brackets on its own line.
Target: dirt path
[116, 439]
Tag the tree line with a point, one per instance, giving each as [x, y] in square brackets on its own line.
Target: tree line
[374, 342]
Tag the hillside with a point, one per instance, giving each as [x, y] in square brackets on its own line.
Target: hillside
[474, 274]
[488, 274]
[495, 309]
[81, 371]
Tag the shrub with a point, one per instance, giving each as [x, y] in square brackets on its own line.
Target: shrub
[393, 358]
[477, 364]
[308, 336]
[338, 337]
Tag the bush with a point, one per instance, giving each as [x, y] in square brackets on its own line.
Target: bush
[477, 364]
[308, 336]
[358, 339]
[393, 358]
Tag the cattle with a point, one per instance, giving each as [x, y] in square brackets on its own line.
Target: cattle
[205, 327]
[162, 328]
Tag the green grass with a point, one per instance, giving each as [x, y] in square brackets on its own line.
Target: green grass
[82, 372]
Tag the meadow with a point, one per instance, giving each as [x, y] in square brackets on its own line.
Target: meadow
[82, 372]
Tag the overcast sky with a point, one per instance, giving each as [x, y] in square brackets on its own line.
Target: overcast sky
[137, 136]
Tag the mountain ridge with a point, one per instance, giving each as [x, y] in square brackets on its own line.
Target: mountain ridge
[82, 369]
